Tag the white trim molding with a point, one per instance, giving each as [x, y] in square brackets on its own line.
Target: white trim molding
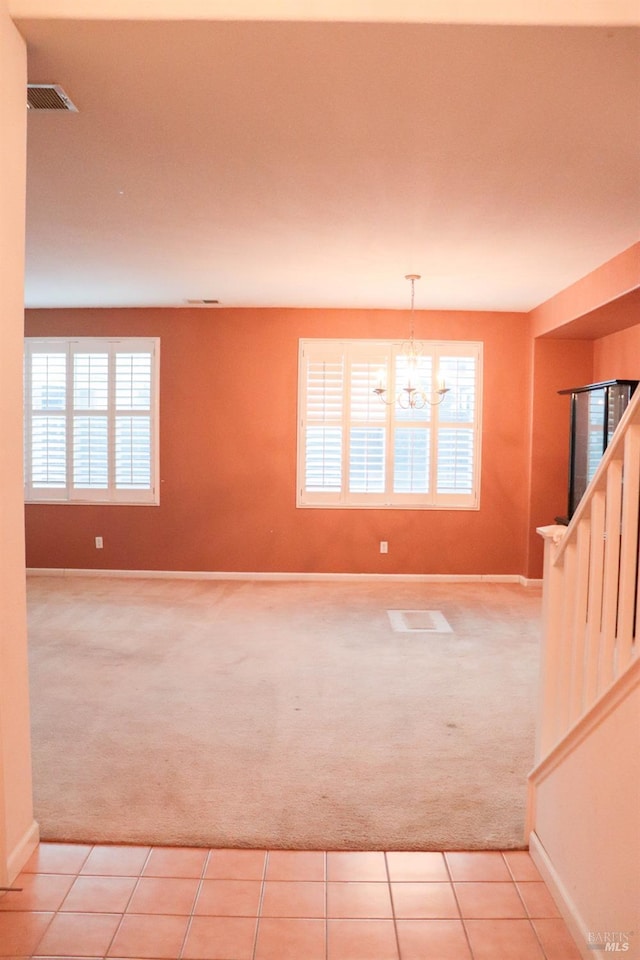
[22, 851]
[577, 927]
[557, 13]
[281, 575]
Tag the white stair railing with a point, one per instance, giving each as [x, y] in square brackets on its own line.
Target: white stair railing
[591, 600]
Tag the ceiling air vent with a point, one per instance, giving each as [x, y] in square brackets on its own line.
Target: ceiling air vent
[48, 96]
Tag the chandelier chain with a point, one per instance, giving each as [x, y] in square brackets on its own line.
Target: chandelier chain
[412, 277]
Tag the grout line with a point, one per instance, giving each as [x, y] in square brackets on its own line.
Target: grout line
[325, 871]
[91, 849]
[191, 916]
[529, 918]
[393, 906]
[123, 913]
[265, 869]
[455, 896]
[514, 882]
[44, 932]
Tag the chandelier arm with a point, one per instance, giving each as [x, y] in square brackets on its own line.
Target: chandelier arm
[380, 392]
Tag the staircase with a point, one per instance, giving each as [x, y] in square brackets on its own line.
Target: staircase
[586, 779]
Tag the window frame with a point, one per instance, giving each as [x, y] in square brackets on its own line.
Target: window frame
[310, 351]
[111, 494]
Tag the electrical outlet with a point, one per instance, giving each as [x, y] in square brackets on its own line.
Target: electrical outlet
[99, 543]
[384, 546]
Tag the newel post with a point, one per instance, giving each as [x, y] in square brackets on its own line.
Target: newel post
[553, 597]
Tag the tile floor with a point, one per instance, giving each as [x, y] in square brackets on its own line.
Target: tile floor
[165, 903]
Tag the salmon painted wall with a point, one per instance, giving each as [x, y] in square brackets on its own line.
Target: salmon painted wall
[228, 397]
[617, 357]
[557, 365]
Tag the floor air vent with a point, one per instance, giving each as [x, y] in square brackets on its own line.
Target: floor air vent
[418, 621]
[48, 96]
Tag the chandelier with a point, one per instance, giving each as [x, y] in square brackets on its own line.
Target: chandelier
[412, 396]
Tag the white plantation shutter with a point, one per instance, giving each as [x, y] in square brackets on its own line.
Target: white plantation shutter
[48, 460]
[323, 391]
[90, 380]
[411, 460]
[457, 444]
[133, 381]
[356, 451]
[367, 426]
[412, 426]
[49, 381]
[91, 420]
[90, 453]
[367, 460]
[323, 466]
[133, 453]
[90, 426]
[455, 461]
[46, 399]
[133, 439]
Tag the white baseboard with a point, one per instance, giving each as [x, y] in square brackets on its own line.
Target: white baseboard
[256, 575]
[530, 582]
[570, 914]
[22, 851]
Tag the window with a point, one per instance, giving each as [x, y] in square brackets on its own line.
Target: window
[356, 451]
[91, 420]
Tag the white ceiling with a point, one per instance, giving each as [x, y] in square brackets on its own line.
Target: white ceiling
[316, 163]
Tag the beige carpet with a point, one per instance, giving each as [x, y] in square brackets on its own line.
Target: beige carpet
[280, 714]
